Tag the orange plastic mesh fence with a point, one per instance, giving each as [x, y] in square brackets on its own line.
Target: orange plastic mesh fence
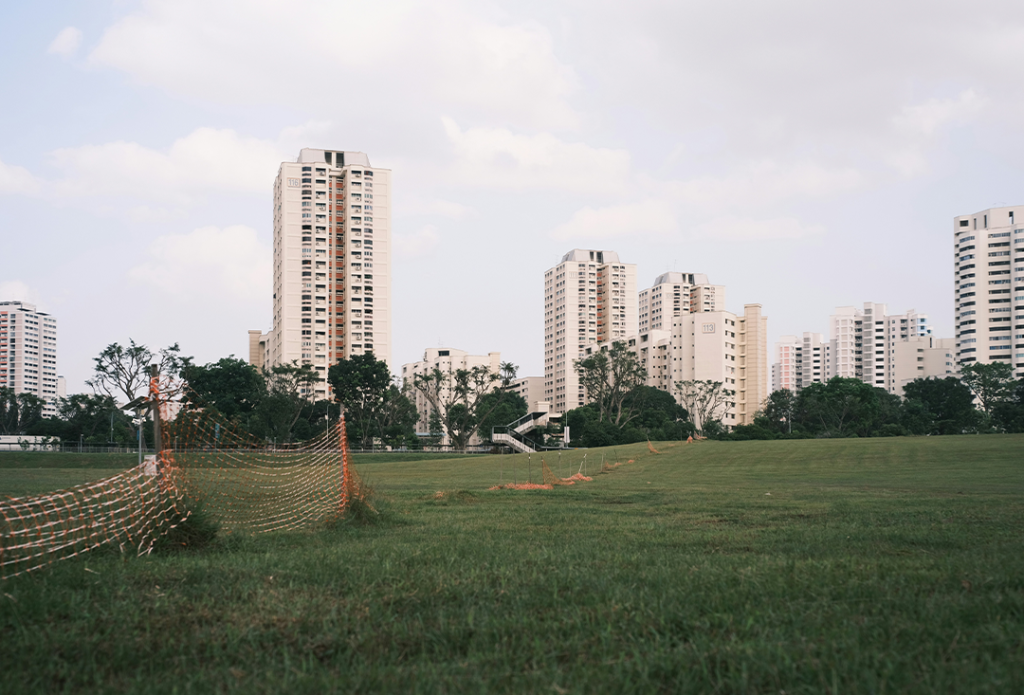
[238, 480]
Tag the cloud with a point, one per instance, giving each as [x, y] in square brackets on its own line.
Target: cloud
[652, 218]
[417, 244]
[193, 166]
[412, 55]
[729, 228]
[18, 180]
[435, 206]
[214, 264]
[921, 124]
[16, 290]
[763, 183]
[66, 42]
[499, 158]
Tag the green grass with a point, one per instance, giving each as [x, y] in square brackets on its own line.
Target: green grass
[881, 565]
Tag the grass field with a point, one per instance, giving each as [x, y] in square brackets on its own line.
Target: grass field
[806, 566]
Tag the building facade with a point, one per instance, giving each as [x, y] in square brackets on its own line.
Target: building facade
[800, 361]
[869, 344]
[988, 276]
[674, 294]
[589, 297]
[332, 264]
[28, 353]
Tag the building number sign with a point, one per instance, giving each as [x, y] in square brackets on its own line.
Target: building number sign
[708, 328]
[293, 183]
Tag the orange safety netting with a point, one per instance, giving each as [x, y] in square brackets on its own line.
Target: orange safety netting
[238, 480]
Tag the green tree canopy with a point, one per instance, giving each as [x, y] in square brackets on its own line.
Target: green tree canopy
[991, 383]
[608, 377]
[231, 385]
[939, 406]
[361, 384]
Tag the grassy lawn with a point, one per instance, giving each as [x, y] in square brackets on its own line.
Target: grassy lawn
[881, 565]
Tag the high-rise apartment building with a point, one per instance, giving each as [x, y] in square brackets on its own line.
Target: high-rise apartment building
[589, 297]
[332, 263]
[869, 344]
[988, 275]
[800, 362]
[28, 352]
[863, 344]
[674, 294]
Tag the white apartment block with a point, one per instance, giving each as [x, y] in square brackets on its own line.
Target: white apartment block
[589, 297]
[922, 357]
[674, 294]
[716, 346]
[869, 350]
[988, 275]
[531, 388]
[447, 360]
[800, 361]
[869, 344]
[28, 353]
[332, 263]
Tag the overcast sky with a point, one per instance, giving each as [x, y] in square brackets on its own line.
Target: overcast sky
[807, 155]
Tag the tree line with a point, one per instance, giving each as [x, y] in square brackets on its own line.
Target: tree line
[273, 405]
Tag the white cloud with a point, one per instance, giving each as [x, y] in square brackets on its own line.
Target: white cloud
[16, 290]
[497, 157]
[66, 42]
[729, 228]
[412, 55]
[218, 265]
[15, 179]
[652, 218]
[203, 161]
[921, 124]
[763, 183]
[434, 206]
[420, 243]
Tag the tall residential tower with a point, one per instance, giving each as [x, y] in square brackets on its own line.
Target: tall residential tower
[28, 352]
[988, 276]
[589, 297]
[332, 263]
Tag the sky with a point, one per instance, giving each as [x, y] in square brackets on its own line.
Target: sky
[806, 155]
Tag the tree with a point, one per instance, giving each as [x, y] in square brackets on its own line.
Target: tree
[778, 411]
[706, 402]
[361, 384]
[839, 408]
[660, 418]
[19, 412]
[124, 371]
[457, 396]
[231, 385]
[608, 377]
[991, 382]
[939, 406]
[1009, 414]
[397, 421]
[93, 419]
[286, 399]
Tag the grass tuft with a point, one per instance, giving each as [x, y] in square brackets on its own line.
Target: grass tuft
[194, 528]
